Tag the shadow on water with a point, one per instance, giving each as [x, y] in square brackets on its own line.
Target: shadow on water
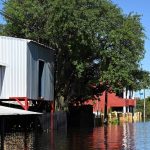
[105, 137]
[126, 136]
[14, 130]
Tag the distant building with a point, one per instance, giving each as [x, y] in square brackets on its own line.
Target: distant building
[26, 69]
[125, 103]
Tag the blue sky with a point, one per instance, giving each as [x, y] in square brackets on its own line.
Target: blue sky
[1, 18]
[141, 7]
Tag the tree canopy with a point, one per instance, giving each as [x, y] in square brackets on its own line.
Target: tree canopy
[94, 42]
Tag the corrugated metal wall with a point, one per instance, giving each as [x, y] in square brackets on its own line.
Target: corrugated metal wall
[37, 53]
[13, 58]
[19, 69]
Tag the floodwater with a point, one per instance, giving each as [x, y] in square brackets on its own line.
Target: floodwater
[127, 136]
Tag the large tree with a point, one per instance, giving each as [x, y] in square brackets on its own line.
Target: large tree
[1, 29]
[94, 41]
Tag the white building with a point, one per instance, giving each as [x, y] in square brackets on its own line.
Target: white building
[26, 69]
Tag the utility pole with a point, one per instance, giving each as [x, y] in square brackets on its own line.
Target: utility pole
[144, 106]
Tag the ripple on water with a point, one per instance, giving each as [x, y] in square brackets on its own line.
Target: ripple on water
[127, 136]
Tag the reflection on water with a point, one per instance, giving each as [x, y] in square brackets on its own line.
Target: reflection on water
[18, 141]
[128, 136]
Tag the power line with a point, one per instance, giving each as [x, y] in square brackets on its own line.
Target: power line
[5, 15]
[15, 20]
[3, 1]
[10, 17]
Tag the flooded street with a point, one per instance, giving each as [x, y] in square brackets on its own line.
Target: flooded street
[128, 136]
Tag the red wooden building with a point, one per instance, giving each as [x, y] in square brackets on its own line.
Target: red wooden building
[114, 103]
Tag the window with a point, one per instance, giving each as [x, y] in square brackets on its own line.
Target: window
[41, 68]
[2, 73]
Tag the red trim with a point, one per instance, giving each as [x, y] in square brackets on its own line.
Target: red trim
[52, 115]
[19, 99]
[52, 107]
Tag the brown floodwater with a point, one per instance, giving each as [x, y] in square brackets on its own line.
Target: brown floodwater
[127, 136]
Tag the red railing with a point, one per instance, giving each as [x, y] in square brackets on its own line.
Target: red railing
[25, 106]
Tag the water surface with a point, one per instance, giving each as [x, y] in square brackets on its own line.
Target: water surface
[127, 136]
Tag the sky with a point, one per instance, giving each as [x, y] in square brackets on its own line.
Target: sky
[1, 18]
[141, 7]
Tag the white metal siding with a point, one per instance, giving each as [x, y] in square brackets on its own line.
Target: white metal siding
[13, 54]
[35, 53]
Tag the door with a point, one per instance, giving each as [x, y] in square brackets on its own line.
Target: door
[41, 78]
[2, 73]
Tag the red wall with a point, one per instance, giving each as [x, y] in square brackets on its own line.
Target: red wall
[113, 101]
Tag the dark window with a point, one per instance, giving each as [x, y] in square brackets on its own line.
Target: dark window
[2, 73]
[41, 67]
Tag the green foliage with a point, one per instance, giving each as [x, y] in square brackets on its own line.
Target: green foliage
[25, 19]
[1, 29]
[114, 121]
[140, 107]
[141, 79]
[82, 33]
